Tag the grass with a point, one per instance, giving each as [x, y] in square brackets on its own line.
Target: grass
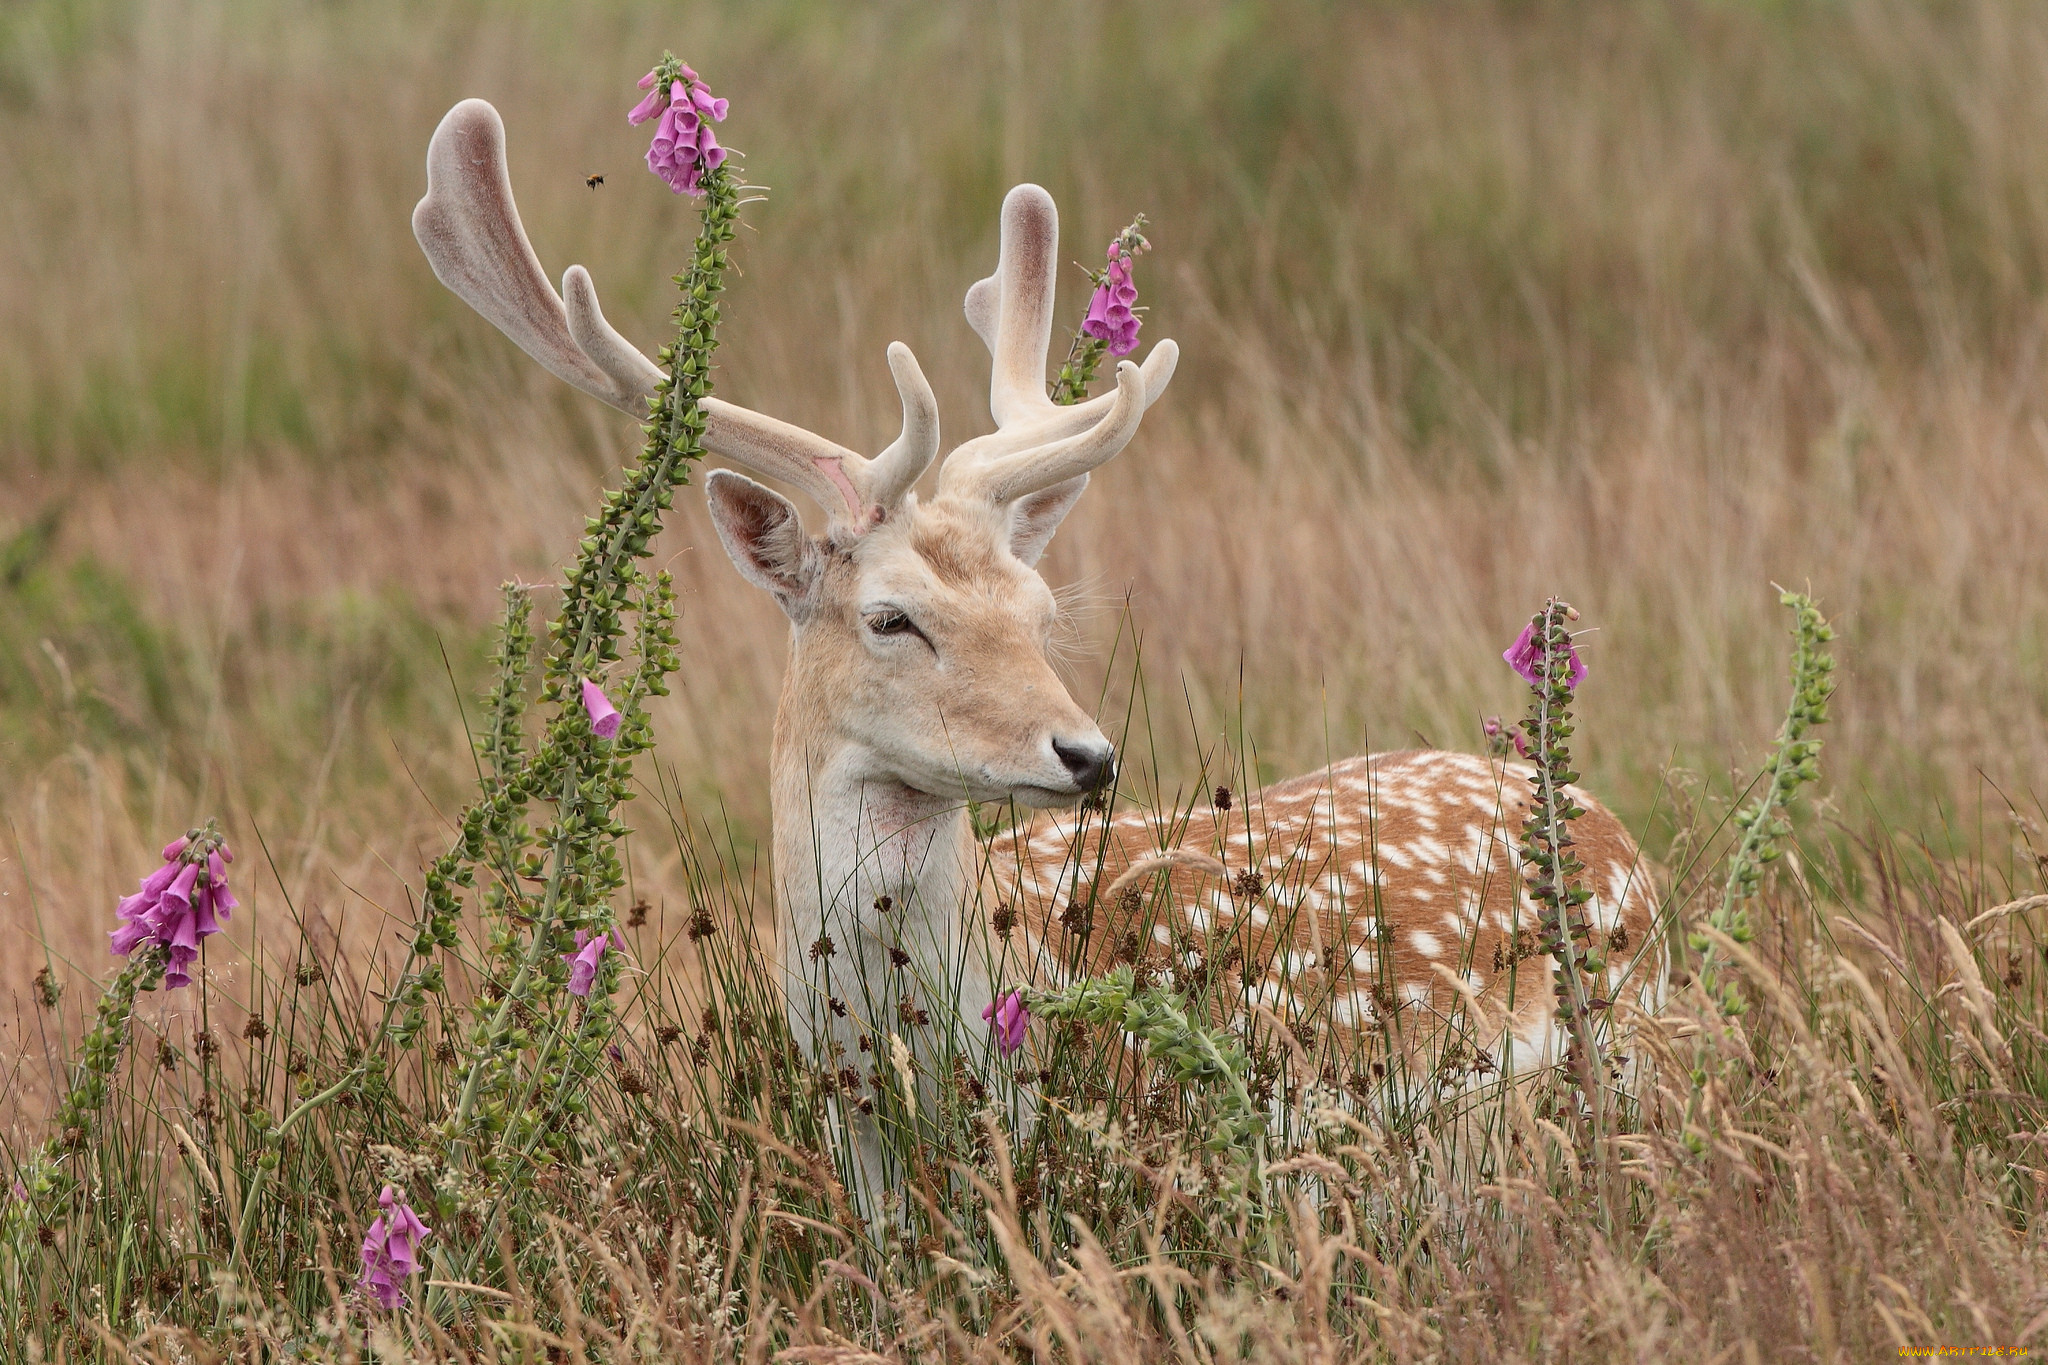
[1650, 306]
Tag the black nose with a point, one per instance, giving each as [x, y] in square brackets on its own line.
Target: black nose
[1091, 767]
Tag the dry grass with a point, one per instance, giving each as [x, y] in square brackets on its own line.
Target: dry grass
[1648, 306]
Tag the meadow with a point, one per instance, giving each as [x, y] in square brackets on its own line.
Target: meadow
[1651, 306]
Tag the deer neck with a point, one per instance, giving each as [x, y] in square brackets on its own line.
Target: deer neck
[847, 835]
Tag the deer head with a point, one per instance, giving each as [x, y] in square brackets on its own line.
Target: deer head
[920, 629]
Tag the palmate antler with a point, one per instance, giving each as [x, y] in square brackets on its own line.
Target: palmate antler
[469, 227]
[1038, 443]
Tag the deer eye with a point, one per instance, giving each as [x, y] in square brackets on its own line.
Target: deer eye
[892, 623]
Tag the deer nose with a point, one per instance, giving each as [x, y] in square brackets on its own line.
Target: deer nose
[1091, 763]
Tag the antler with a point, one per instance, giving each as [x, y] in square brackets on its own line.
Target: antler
[1037, 443]
[469, 227]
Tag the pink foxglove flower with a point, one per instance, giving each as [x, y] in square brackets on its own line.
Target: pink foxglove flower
[1499, 736]
[604, 717]
[1525, 656]
[178, 905]
[391, 1253]
[1011, 1016]
[583, 962]
[1110, 318]
[684, 147]
[652, 104]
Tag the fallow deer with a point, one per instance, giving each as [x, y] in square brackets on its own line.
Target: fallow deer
[1380, 896]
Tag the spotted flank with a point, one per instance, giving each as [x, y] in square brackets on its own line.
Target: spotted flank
[1378, 903]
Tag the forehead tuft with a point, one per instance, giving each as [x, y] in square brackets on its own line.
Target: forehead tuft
[960, 549]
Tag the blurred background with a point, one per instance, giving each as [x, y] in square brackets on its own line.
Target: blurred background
[1649, 305]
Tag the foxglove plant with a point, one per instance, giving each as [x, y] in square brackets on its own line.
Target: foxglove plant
[1793, 763]
[548, 884]
[1545, 657]
[1112, 321]
[162, 925]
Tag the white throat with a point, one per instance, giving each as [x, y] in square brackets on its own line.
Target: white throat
[850, 841]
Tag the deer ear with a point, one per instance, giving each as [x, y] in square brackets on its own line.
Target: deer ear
[760, 529]
[1035, 517]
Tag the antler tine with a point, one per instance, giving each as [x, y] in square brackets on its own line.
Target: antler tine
[469, 227]
[1023, 293]
[595, 337]
[890, 474]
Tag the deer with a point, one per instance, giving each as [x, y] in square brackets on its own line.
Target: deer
[1378, 897]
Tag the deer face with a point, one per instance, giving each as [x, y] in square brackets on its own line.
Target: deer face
[922, 644]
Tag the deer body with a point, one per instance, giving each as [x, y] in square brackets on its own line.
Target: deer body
[1377, 894]
[1376, 908]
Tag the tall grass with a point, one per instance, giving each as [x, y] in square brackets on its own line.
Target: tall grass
[1650, 305]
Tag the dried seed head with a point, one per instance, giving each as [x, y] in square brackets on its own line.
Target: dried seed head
[1222, 798]
[701, 926]
[837, 1005]
[824, 947]
[667, 1034]
[884, 904]
[897, 957]
[1003, 920]
[1248, 885]
[636, 918]
[256, 1030]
